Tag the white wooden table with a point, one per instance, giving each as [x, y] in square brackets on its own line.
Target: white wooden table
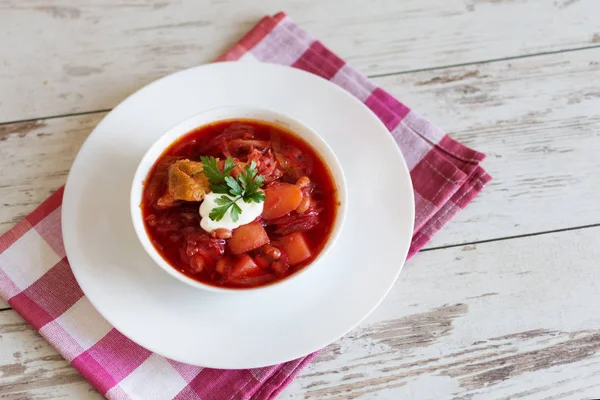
[503, 303]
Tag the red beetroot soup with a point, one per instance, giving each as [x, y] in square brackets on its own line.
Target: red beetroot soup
[293, 228]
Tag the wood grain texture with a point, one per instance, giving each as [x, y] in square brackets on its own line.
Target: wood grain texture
[473, 322]
[476, 322]
[537, 120]
[507, 319]
[63, 57]
[541, 143]
[35, 158]
[31, 369]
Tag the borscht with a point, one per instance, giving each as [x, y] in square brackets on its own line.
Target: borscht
[239, 204]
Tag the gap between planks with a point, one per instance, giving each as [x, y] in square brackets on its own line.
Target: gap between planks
[491, 60]
[476, 242]
[511, 237]
[575, 225]
[404, 72]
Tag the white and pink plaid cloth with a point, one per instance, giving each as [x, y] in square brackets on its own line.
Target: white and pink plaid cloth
[36, 279]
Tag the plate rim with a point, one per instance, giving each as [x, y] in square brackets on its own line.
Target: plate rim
[68, 189]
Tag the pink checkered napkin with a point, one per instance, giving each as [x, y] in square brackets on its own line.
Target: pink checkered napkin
[36, 279]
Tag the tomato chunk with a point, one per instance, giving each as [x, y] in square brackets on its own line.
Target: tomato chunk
[281, 199]
[247, 237]
[295, 247]
[244, 266]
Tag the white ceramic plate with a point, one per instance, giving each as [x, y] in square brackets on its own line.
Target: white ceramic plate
[224, 114]
[250, 329]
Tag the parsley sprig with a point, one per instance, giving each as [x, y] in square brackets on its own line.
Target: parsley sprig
[246, 186]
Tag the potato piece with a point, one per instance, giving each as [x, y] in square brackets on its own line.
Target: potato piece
[295, 247]
[247, 237]
[281, 199]
[244, 266]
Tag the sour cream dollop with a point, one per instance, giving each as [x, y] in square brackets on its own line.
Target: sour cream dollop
[249, 213]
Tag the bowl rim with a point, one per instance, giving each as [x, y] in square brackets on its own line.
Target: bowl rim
[281, 120]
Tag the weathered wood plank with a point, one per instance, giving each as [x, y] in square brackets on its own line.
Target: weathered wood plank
[537, 120]
[59, 59]
[35, 158]
[31, 369]
[478, 322]
[506, 110]
[539, 143]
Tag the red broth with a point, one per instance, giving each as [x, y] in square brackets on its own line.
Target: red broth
[282, 158]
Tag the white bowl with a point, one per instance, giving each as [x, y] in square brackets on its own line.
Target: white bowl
[222, 114]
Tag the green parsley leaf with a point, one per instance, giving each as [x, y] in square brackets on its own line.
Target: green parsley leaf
[252, 184]
[242, 179]
[217, 213]
[236, 188]
[220, 188]
[224, 201]
[259, 180]
[251, 170]
[235, 212]
[211, 170]
[229, 166]
[246, 186]
[257, 197]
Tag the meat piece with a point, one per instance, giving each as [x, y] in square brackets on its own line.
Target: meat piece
[247, 145]
[221, 142]
[294, 162]
[295, 223]
[186, 181]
